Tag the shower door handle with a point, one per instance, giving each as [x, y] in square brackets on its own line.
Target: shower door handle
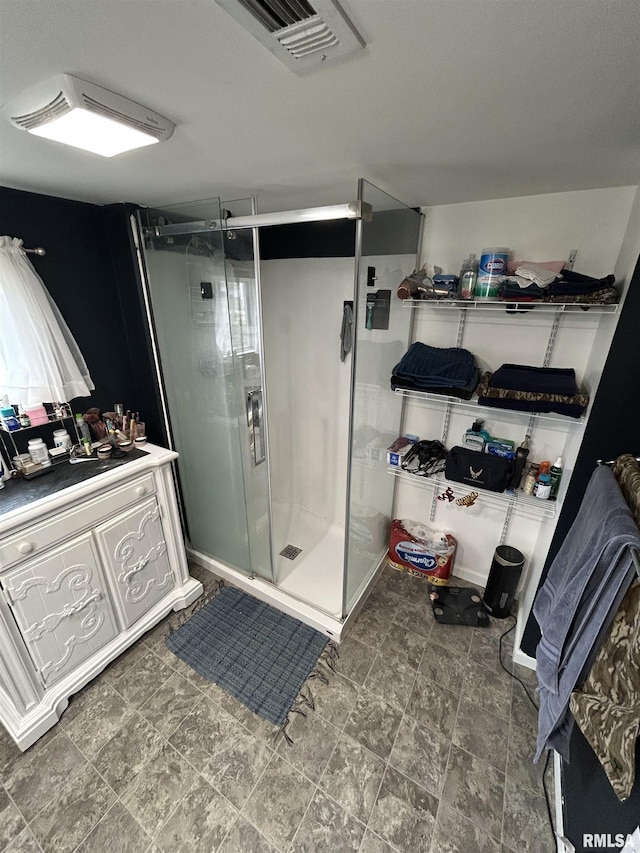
[254, 422]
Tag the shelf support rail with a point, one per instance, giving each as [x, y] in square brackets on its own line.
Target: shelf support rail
[553, 333]
[461, 324]
[507, 520]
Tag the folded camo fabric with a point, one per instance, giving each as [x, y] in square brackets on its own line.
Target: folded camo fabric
[607, 706]
[435, 367]
[533, 389]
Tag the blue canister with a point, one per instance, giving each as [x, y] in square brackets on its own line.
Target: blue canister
[493, 265]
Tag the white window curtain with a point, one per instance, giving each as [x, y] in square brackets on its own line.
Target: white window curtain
[39, 358]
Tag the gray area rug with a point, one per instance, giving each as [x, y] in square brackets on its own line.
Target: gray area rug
[253, 651]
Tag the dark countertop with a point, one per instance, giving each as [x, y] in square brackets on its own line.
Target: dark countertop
[19, 492]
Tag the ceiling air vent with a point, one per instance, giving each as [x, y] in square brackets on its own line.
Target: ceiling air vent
[302, 34]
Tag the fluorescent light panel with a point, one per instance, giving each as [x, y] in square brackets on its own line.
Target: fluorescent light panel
[92, 132]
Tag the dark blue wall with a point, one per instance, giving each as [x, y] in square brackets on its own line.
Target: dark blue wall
[89, 271]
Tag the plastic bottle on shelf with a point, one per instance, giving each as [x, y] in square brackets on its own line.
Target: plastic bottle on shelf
[476, 438]
[555, 473]
[61, 438]
[543, 468]
[38, 452]
[468, 277]
[544, 487]
[83, 429]
[23, 418]
[530, 479]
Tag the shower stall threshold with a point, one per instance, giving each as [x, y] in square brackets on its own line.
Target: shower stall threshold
[332, 626]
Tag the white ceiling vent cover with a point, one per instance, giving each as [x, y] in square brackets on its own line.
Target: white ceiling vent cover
[59, 96]
[303, 34]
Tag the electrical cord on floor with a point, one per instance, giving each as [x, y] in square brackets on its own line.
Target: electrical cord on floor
[533, 702]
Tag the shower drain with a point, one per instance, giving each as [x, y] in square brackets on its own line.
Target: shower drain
[290, 552]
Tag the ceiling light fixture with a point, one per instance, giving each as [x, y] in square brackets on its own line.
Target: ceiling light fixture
[84, 115]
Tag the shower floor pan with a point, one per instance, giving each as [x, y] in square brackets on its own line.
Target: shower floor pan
[285, 596]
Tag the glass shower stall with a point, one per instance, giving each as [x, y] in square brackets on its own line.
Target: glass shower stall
[282, 433]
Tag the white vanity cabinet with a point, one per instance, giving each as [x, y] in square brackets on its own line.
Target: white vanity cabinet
[84, 573]
[61, 606]
[135, 550]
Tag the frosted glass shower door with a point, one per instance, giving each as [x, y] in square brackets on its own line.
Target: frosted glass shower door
[386, 249]
[206, 324]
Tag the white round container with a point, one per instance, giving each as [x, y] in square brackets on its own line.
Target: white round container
[61, 438]
[38, 451]
[493, 265]
[20, 459]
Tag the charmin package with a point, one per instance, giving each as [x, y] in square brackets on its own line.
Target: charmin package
[419, 550]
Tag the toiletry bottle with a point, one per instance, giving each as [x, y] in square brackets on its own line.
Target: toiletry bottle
[23, 418]
[468, 277]
[521, 457]
[556, 475]
[530, 479]
[543, 468]
[543, 489]
[83, 429]
[476, 437]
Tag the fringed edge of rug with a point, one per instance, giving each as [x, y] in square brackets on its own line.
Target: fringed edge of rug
[183, 616]
[324, 668]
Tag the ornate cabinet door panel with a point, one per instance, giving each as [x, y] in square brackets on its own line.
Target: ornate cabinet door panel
[135, 556]
[61, 606]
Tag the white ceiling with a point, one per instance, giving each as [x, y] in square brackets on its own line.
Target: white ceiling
[452, 100]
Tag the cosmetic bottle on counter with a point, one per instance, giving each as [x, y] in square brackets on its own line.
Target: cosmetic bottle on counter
[83, 429]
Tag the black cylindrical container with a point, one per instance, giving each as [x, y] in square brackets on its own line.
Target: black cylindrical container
[500, 591]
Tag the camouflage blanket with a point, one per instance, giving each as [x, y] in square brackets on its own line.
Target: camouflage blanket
[626, 470]
[485, 389]
[607, 706]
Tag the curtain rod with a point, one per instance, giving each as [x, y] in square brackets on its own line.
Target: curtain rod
[38, 251]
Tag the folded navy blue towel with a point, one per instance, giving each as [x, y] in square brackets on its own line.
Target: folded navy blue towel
[464, 392]
[541, 380]
[434, 366]
[576, 283]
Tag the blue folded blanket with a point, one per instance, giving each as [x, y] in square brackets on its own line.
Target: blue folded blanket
[436, 367]
[541, 380]
[464, 392]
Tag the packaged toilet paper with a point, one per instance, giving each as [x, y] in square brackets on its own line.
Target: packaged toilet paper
[420, 550]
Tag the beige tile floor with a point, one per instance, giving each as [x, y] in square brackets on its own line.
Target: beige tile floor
[420, 742]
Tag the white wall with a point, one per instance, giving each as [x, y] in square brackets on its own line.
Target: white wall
[536, 228]
[624, 268]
